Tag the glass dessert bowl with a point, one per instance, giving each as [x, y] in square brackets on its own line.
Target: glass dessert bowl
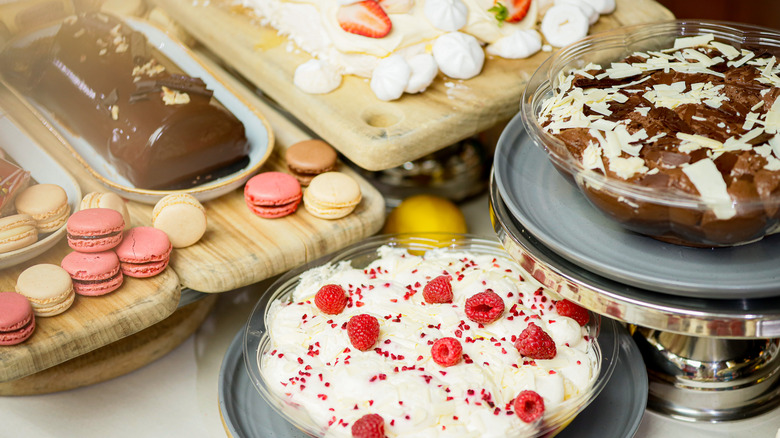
[307, 368]
[695, 175]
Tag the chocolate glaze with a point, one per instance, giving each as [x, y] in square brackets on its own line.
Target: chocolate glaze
[748, 183]
[84, 75]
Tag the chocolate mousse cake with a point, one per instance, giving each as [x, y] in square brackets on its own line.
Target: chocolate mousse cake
[698, 119]
[159, 128]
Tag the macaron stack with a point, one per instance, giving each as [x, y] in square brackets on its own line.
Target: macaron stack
[37, 209]
[105, 253]
[94, 266]
[17, 320]
[272, 195]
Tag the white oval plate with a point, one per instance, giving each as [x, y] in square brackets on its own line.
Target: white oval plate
[258, 131]
[44, 169]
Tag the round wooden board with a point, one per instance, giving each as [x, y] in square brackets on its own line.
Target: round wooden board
[118, 358]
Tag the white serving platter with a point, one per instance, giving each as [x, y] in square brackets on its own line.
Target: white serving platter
[258, 131]
[43, 169]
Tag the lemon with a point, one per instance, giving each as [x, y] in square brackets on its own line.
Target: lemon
[421, 214]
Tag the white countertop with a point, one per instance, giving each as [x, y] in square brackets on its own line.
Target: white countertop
[176, 396]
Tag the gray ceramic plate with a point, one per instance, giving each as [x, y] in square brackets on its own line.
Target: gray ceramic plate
[561, 218]
[616, 412]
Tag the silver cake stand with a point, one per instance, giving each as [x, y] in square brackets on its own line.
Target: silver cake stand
[712, 353]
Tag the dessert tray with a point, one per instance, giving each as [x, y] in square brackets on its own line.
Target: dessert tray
[238, 247]
[616, 411]
[374, 134]
[43, 169]
[257, 130]
[561, 218]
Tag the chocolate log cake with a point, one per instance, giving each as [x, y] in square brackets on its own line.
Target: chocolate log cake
[159, 128]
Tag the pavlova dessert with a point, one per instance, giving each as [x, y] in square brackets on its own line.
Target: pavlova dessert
[446, 344]
[401, 45]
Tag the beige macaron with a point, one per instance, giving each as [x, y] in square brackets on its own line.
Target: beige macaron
[17, 231]
[107, 200]
[331, 195]
[46, 203]
[49, 289]
[182, 217]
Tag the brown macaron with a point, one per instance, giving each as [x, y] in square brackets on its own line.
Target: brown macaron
[309, 158]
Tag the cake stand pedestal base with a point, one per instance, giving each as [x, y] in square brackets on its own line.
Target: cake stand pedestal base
[710, 379]
[118, 358]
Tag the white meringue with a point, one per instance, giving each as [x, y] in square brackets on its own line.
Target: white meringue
[564, 24]
[390, 78]
[447, 15]
[585, 6]
[522, 43]
[602, 6]
[424, 71]
[458, 55]
[348, 2]
[317, 77]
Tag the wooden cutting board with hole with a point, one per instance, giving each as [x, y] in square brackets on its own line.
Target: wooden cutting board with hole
[377, 135]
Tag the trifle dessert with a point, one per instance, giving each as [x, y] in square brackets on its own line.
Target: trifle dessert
[685, 136]
[401, 45]
[449, 342]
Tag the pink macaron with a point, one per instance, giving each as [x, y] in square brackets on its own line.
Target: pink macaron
[95, 273]
[144, 252]
[95, 229]
[17, 321]
[272, 194]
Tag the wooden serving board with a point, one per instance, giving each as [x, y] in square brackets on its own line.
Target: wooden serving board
[377, 135]
[118, 358]
[90, 323]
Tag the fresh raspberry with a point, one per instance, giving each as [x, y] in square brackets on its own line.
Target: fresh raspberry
[484, 307]
[369, 426]
[529, 406]
[446, 351]
[331, 299]
[573, 311]
[535, 343]
[438, 290]
[363, 331]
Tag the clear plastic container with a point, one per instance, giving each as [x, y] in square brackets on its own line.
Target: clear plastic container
[257, 339]
[668, 215]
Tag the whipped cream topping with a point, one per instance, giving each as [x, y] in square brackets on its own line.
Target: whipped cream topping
[391, 76]
[311, 364]
[447, 15]
[317, 77]
[458, 55]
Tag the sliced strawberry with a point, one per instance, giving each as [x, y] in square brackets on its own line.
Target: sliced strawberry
[516, 10]
[364, 18]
